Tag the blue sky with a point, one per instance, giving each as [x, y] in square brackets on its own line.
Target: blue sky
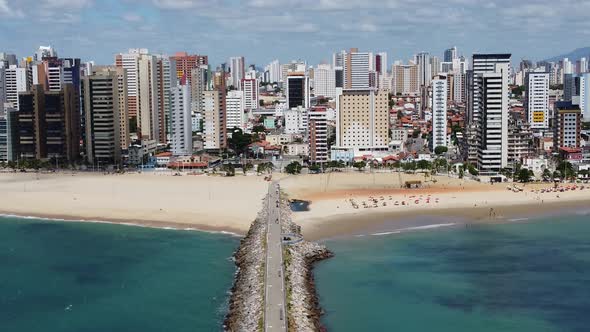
[262, 30]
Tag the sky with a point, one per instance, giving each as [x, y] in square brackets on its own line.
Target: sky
[310, 30]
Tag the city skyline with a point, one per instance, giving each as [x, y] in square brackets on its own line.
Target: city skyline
[256, 29]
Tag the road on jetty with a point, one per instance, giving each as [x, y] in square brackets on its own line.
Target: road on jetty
[275, 315]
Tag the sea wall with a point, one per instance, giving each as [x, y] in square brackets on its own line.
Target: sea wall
[303, 309]
[247, 295]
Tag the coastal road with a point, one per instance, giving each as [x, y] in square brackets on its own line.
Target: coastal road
[275, 316]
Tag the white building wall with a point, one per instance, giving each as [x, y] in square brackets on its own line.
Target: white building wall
[439, 113]
[325, 81]
[181, 122]
[15, 82]
[537, 100]
[234, 109]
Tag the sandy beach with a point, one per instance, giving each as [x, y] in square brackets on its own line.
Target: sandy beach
[356, 203]
[341, 204]
[209, 203]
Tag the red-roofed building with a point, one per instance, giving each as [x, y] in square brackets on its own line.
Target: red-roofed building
[572, 155]
[189, 165]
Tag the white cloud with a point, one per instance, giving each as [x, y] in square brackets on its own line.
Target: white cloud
[66, 4]
[6, 10]
[182, 4]
[132, 17]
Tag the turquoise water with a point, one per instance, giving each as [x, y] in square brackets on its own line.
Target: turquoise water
[65, 277]
[527, 276]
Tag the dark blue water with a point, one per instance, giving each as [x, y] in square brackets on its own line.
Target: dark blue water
[532, 276]
[67, 277]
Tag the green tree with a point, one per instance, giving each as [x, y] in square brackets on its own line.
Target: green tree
[229, 169]
[547, 175]
[261, 103]
[293, 168]
[239, 141]
[524, 175]
[247, 167]
[440, 150]
[472, 170]
[258, 129]
[315, 168]
[424, 164]
[359, 165]
[461, 173]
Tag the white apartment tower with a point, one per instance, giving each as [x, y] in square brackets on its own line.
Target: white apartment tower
[439, 112]
[362, 121]
[537, 99]
[250, 95]
[492, 131]
[356, 69]
[424, 69]
[482, 63]
[318, 135]
[234, 102]
[15, 81]
[214, 120]
[237, 70]
[181, 125]
[324, 81]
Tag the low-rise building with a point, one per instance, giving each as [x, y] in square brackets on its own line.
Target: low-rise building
[296, 149]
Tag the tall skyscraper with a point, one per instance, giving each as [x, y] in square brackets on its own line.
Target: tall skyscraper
[49, 124]
[362, 121]
[482, 63]
[492, 131]
[536, 101]
[424, 69]
[439, 112]
[101, 118]
[200, 82]
[450, 54]
[15, 82]
[297, 90]
[185, 63]
[318, 135]
[214, 116]
[181, 124]
[567, 126]
[149, 113]
[434, 66]
[8, 132]
[234, 102]
[274, 70]
[130, 62]
[237, 70]
[381, 63]
[356, 69]
[324, 81]
[405, 79]
[250, 88]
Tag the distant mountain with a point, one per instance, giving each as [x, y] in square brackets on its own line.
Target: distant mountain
[572, 56]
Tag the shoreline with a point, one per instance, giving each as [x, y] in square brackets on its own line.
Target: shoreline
[375, 223]
[153, 224]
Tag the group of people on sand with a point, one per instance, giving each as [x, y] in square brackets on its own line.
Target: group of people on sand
[376, 202]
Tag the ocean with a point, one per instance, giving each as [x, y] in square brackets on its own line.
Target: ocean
[66, 277]
[528, 275]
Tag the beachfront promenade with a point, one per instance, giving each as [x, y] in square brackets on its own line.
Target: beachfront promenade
[275, 316]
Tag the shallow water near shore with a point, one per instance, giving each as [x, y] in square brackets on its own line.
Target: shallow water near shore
[63, 276]
[528, 275]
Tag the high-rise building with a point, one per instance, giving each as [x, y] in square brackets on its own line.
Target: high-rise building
[185, 63]
[45, 52]
[318, 135]
[424, 69]
[200, 82]
[362, 121]
[15, 82]
[101, 118]
[405, 79]
[583, 87]
[149, 116]
[234, 102]
[7, 60]
[492, 130]
[381, 63]
[237, 70]
[214, 120]
[434, 66]
[482, 63]
[250, 88]
[459, 93]
[450, 54]
[49, 124]
[8, 132]
[567, 125]
[296, 120]
[439, 112]
[324, 81]
[297, 90]
[53, 73]
[181, 123]
[569, 87]
[274, 70]
[356, 69]
[536, 101]
[130, 62]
